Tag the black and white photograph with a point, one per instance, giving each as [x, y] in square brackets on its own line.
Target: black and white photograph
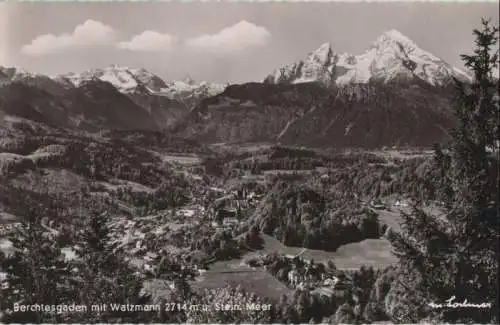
[263, 162]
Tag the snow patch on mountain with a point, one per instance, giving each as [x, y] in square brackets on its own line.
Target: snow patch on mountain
[120, 77]
[123, 80]
[189, 88]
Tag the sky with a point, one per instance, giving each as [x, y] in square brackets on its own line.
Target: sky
[221, 41]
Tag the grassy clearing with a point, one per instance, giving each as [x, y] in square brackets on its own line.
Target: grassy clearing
[390, 218]
[235, 272]
[369, 252]
[6, 246]
[182, 160]
[287, 172]
[394, 219]
[241, 147]
[54, 180]
[7, 218]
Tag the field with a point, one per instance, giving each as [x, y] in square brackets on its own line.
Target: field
[235, 272]
[182, 160]
[369, 252]
[390, 218]
[393, 218]
[223, 273]
[6, 246]
[286, 172]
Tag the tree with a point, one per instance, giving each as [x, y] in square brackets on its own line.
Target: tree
[170, 270]
[344, 315]
[456, 255]
[36, 271]
[105, 277]
[228, 296]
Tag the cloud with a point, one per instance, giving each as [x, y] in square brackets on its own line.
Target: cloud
[236, 38]
[90, 33]
[149, 41]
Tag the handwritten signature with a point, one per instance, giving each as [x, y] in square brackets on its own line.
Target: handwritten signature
[465, 304]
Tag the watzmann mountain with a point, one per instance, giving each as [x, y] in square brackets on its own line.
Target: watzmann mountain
[394, 94]
[391, 58]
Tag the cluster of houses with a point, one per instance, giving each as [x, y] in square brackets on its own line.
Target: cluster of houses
[227, 209]
[7, 229]
[310, 279]
[378, 204]
[401, 203]
[312, 276]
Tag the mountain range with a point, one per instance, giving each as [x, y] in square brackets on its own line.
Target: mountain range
[115, 97]
[391, 58]
[393, 94]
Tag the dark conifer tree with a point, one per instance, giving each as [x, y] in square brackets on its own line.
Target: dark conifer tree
[456, 255]
[105, 276]
[36, 271]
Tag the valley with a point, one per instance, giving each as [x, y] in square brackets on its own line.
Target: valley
[199, 207]
[324, 191]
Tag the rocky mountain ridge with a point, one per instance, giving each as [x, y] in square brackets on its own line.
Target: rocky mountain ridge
[116, 97]
[393, 57]
[130, 80]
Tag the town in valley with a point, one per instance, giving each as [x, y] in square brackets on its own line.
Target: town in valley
[337, 179]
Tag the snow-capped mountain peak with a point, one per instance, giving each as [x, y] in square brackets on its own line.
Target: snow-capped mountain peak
[15, 74]
[188, 80]
[392, 56]
[317, 67]
[393, 36]
[123, 78]
[322, 54]
[139, 80]
[182, 89]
